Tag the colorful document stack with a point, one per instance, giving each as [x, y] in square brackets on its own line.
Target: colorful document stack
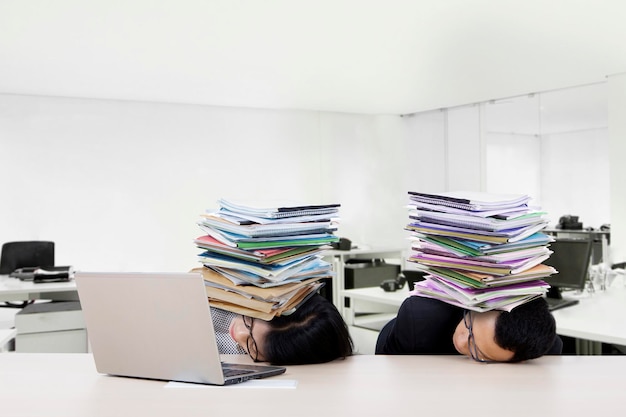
[263, 262]
[481, 251]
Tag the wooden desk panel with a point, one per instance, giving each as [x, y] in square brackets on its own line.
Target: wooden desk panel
[67, 385]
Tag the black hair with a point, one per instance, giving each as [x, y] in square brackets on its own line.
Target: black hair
[529, 330]
[314, 333]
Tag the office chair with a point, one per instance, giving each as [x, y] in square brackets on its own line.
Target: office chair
[24, 254]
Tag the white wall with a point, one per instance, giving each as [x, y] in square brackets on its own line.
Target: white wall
[617, 150]
[119, 185]
[513, 165]
[464, 150]
[575, 176]
[553, 146]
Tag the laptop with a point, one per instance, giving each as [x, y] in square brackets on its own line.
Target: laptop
[156, 326]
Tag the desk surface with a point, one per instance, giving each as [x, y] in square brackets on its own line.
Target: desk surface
[68, 385]
[13, 289]
[386, 252]
[598, 317]
[378, 295]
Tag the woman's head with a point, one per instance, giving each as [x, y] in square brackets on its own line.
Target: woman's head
[314, 333]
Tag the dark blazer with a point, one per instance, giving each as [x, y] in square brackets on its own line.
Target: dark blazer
[424, 326]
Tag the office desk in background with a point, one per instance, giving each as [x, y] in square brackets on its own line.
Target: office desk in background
[43, 332]
[370, 309]
[597, 318]
[338, 259]
[67, 385]
[13, 289]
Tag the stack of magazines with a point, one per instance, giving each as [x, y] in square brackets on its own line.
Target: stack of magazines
[264, 262]
[480, 251]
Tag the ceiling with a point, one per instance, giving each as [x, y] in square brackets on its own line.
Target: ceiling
[356, 56]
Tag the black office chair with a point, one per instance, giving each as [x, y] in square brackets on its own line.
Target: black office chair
[25, 254]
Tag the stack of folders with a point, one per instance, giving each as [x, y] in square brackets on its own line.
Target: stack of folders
[264, 262]
[481, 251]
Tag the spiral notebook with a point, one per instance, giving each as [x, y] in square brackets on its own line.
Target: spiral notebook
[471, 200]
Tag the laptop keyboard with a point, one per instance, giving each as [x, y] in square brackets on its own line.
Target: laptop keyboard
[229, 372]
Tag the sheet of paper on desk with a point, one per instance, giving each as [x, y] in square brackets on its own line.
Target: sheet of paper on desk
[253, 383]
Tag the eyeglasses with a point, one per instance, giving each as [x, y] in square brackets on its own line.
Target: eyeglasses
[475, 353]
[253, 351]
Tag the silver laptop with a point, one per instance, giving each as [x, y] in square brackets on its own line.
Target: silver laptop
[156, 326]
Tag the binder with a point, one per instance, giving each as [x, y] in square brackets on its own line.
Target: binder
[263, 256]
[504, 236]
[505, 268]
[265, 230]
[428, 247]
[483, 280]
[268, 242]
[471, 200]
[262, 303]
[482, 223]
[427, 289]
[280, 212]
[501, 213]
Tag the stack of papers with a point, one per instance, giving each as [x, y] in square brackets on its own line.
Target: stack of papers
[264, 262]
[481, 251]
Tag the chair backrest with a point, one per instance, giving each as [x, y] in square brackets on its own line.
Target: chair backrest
[24, 254]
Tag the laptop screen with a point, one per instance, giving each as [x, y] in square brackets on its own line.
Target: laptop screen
[151, 325]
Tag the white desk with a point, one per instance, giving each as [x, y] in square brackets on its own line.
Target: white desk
[13, 289]
[598, 318]
[338, 259]
[379, 306]
[67, 385]
[372, 300]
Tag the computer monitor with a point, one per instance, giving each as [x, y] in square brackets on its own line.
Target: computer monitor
[571, 258]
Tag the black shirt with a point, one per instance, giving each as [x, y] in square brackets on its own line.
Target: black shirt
[423, 326]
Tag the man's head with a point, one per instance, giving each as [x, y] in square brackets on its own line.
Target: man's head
[527, 332]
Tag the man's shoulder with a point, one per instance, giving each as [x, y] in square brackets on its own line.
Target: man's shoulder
[416, 302]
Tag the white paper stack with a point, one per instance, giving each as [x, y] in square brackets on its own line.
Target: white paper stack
[481, 251]
[249, 252]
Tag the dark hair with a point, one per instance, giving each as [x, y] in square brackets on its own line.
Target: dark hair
[528, 330]
[314, 333]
